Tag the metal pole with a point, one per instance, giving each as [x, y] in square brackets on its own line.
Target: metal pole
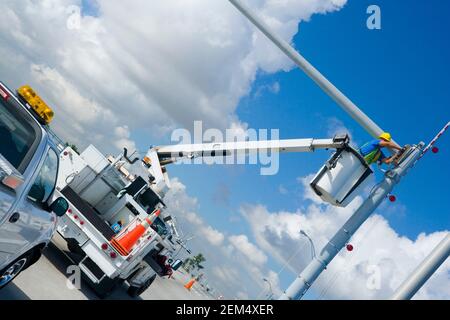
[424, 271]
[371, 127]
[299, 287]
[270, 288]
[306, 278]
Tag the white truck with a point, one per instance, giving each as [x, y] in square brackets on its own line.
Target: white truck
[28, 171]
[104, 197]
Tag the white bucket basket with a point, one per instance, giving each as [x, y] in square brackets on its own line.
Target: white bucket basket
[338, 181]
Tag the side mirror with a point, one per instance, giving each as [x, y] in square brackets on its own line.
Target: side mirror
[177, 264]
[59, 206]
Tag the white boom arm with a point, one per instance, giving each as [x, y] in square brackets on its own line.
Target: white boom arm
[229, 148]
[158, 157]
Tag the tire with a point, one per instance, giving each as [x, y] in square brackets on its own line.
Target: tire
[37, 253]
[13, 269]
[137, 291]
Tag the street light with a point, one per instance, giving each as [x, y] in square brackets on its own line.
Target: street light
[182, 244]
[270, 288]
[313, 249]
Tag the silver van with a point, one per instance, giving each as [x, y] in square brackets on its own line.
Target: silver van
[28, 170]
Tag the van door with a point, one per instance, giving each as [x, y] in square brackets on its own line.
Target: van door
[20, 137]
[31, 219]
[7, 199]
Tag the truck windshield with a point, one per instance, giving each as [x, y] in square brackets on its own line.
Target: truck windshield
[18, 134]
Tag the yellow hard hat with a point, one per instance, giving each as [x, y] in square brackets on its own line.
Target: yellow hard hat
[385, 136]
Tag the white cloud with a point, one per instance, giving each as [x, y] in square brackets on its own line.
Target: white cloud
[336, 126]
[242, 295]
[212, 235]
[252, 252]
[184, 207]
[233, 263]
[273, 88]
[378, 249]
[282, 189]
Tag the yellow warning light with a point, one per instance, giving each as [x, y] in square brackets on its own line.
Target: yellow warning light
[43, 111]
[147, 162]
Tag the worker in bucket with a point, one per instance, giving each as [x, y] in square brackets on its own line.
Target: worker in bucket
[371, 151]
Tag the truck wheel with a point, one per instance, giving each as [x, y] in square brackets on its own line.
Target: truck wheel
[11, 271]
[137, 291]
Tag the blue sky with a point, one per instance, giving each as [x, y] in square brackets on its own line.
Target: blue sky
[397, 75]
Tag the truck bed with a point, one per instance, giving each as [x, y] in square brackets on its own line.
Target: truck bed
[88, 212]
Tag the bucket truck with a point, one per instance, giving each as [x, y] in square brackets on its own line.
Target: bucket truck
[107, 205]
[337, 182]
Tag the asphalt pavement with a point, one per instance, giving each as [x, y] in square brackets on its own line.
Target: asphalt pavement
[47, 280]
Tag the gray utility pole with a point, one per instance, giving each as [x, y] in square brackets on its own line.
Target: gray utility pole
[304, 281]
[306, 278]
[371, 127]
[424, 271]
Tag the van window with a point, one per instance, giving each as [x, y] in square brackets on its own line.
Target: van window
[45, 182]
[18, 134]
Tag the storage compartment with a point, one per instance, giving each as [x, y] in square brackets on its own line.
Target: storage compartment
[88, 212]
[95, 192]
[106, 203]
[94, 158]
[338, 181]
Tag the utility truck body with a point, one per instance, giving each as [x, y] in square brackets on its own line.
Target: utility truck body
[105, 203]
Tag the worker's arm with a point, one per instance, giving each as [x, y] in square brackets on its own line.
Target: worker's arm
[384, 159]
[390, 144]
[388, 160]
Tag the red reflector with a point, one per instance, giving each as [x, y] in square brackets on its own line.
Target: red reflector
[392, 198]
[435, 150]
[3, 94]
[113, 255]
[75, 216]
[81, 222]
[69, 211]
[349, 247]
[104, 246]
[12, 181]
[65, 153]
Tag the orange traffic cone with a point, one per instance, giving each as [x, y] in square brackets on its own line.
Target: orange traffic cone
[189, 284]
[126, 241]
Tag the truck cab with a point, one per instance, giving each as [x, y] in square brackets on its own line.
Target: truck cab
[29, 162]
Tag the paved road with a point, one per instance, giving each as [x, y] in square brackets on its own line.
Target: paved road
[46, 280]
